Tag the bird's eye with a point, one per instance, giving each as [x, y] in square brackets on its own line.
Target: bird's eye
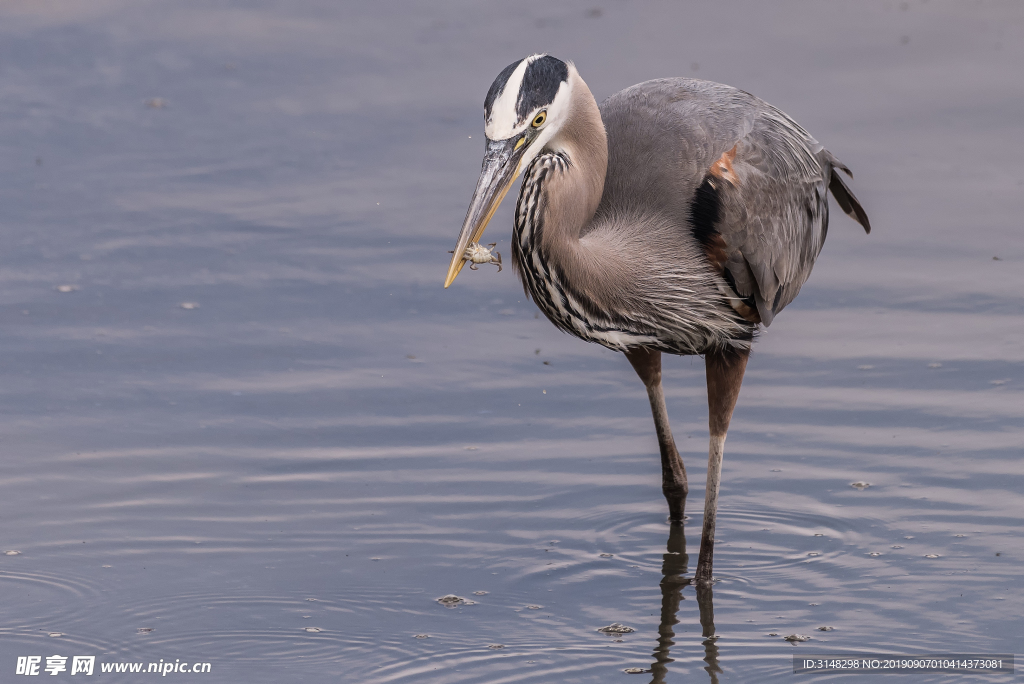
[539, 120]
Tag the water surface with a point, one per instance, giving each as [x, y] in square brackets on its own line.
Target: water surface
[282, 477]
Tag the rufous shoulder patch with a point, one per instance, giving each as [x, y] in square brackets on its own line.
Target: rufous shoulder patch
[723, 169]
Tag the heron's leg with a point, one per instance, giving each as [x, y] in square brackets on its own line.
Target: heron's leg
[725, 375]
[647, 364]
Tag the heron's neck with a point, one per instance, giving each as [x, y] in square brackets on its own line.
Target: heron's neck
[560, 196]
[571, 196]
[561, 191]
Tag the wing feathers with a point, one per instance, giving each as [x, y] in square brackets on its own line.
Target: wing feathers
[845, 197]
[729, 164]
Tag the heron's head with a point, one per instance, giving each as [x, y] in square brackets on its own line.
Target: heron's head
[524, 110]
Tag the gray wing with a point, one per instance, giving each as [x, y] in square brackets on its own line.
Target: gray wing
[749, 181]
[773, 189]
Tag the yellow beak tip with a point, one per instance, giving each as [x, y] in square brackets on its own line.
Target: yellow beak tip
[453, 272]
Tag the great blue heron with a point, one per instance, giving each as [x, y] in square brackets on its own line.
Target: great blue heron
[675, 217]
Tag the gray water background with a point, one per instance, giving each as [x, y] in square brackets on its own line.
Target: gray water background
[332, 441]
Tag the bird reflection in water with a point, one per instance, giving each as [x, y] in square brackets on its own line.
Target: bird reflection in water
[673, 569]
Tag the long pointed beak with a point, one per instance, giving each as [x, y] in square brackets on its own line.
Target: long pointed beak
[500, 168]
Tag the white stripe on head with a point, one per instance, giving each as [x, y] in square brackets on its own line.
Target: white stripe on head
[558, 112]
[504, 122]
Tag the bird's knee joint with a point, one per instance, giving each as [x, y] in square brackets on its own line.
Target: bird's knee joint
[675, 490]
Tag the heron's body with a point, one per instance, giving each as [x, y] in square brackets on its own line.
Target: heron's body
[718, 198]
[674, 218]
